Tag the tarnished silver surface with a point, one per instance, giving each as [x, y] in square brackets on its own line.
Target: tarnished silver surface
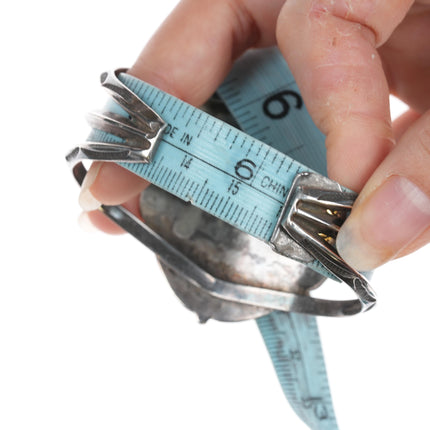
[314, 211]
[140, 132]
[224, 252]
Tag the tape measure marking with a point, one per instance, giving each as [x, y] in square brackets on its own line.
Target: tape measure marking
[295, 349]
[279, 115]
[292, 340]
[200, 155]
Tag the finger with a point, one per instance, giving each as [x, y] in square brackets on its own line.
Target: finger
[331, 47]
[403, 122]
[96, 219]
[202, 38]
[392, 214]
[104, 182]
[199, 39]
[406, 58]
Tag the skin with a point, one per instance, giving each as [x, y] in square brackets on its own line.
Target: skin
[347, 57]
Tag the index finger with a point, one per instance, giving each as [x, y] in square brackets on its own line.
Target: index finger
[331, 47]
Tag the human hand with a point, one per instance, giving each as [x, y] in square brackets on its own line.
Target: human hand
[346, 56]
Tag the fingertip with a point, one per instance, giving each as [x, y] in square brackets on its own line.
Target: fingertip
[85, 223]
[97, 221]
[110, 184]
[87, 201]
[391, 218]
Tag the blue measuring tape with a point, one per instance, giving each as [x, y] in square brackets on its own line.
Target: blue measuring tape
[238, 178]
[291, 339]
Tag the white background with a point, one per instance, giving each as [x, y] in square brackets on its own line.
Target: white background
[91, 336]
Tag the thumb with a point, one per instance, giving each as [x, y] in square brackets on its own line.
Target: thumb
[391, 217]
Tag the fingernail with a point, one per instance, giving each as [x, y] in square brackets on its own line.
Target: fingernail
[86, 200]
[391, 218]
[85, 223]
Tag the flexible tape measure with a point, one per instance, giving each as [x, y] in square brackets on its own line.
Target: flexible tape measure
[238, 178]
[292, 339]
[294, 346]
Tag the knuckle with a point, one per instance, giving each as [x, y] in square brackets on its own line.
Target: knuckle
[246, 31]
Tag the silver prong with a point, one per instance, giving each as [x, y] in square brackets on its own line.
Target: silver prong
[315, 210]
[139, 132]
[336, 200]
[139, 111]
[121, 127]
[321, 220]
